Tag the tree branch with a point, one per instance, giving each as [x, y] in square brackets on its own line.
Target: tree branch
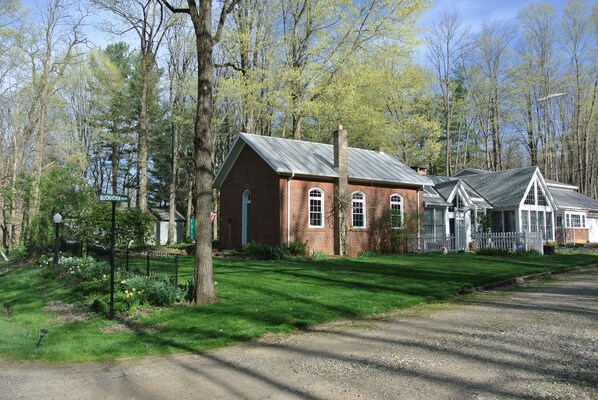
[229, 64]
[225, 11]
[173, 9]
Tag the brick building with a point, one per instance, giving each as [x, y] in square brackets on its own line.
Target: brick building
[275, 190]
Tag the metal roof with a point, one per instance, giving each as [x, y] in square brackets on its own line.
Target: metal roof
[309, 159]
[162, 214]
[566, 198]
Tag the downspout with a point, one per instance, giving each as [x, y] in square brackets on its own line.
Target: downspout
[289, 207]
[418, 223]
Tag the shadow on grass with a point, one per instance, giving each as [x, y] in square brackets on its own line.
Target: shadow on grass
[531, 358]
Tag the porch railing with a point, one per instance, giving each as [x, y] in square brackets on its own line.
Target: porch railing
[510, 241]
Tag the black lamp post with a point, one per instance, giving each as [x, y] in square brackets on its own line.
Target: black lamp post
[57, 221]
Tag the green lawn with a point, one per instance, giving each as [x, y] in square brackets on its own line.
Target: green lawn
[256, 297]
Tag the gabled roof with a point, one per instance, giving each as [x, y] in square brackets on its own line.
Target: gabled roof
[469, 171]
[444, 188]
[432, 198]
[569, 199]
[162, 214]
[501, 188]
[308, 159]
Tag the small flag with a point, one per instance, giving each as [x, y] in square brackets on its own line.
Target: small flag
[212, 217]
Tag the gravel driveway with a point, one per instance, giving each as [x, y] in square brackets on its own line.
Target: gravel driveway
[534, 342]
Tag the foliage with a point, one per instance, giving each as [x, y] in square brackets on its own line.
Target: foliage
[262, 251]
[388, 239]
[63, 191]
[159, 292]
[134, 228]
[499, 252]
[298, 248]
[368, 253]
[526, 253]
[484, 222]
[317, 256]
[493, 252]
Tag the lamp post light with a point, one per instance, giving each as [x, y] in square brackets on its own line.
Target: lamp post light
[57, 221]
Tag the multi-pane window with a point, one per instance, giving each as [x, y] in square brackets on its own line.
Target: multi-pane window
[358, 210]
[533, 221]
[531, 196]
[541, 198]
[434, 222]
[316, 208]
[396, 211]
[525, 220]
[575, 220]
[533, 199]
[549, 234]
[458, 204]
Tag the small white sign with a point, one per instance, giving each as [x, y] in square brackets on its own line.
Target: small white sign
[114, 197]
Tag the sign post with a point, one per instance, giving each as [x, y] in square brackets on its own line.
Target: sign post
[112, 198]
[192, 229]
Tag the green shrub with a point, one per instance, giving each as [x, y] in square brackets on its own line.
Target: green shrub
[17, 253]
[527, 253]
[493, 252]
[189, 288]
[230, 253]
[261, 251]
[158, 292]
[317, 256]
[87, 288]
[298, 248]
[368, 253]
[99, 306]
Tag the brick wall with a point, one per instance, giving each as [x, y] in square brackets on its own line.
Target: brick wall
[322, 239]
[573, 235]
[269, 208]
[250, 173]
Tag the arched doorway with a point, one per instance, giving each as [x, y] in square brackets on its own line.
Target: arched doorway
[246, 218]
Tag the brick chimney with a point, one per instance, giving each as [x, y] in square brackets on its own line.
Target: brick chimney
[342, 200]
[420, 170]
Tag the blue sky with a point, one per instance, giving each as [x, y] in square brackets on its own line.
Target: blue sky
[474, 12]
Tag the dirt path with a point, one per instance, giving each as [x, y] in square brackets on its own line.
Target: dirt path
[535, 342]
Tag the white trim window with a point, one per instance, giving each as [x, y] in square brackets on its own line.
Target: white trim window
[576, 220]
[358, 210]
[396, 211]
[316, 208]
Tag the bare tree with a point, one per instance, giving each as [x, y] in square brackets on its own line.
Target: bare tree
[489, 86]
[446, 41]
[181, 66]
[538, 79]
[49, 59]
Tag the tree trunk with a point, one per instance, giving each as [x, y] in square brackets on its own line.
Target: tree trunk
[173, 185]
[143, 129]
[204, 281]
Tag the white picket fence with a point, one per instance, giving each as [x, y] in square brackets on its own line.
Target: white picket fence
[510, 241]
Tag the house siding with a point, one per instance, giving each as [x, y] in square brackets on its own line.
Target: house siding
[251, 173]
